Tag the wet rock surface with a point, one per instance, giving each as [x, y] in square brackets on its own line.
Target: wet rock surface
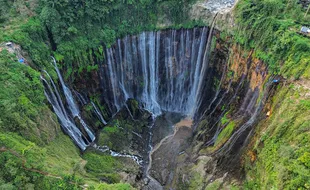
[163, 126]
[128, 132]
[165, 154]
[206, 11]
[218, 5]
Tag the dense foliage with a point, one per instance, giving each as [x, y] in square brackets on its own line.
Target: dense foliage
[21, 99]
[281, 150]
[79, 28]
[103, 20]
[75, 30]
[271, 28]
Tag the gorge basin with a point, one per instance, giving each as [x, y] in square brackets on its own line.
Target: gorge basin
[155, 95]
[162, 70]
[154, 86]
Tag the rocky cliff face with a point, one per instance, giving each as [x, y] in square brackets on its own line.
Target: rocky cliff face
[221, 11]
[162, 70]
[223, 125]
[235, 93]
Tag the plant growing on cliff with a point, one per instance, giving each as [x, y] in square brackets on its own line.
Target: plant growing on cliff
[282, 158]
[271, 28]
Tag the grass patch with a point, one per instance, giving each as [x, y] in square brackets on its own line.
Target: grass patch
[101, 163]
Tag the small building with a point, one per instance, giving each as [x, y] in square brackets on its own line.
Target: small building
[305, 30]
[9, 44]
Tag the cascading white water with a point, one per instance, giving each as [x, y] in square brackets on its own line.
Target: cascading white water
[160, 69]
[198, 100]
[67, 119]
[98, 113]
[67, 123]
[80, 97]
[70, 101]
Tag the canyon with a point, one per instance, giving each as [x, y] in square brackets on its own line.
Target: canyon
[155, 95]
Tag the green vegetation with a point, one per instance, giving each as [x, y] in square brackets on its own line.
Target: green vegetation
[74, 31]
[34, 153]
[214, 185]
[224, 119]
[22, 101]
[271, 28]
[120, 133]
[119, 186]
[106, 163]
[114, 137]
[25, 165]
[22, 166]
[196, 181]
[225, 134]
[282, 144]
[19, 24]
[102, 166]
[27, 126]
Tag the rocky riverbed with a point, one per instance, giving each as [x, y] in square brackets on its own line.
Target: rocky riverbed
[164, 156]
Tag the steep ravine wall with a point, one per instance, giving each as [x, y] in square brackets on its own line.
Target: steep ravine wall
[236, 98]
[278, 154]
[237, 95]
[238, 87]
[245, 123]
[224, 124]
[253, 135]
[237, 101]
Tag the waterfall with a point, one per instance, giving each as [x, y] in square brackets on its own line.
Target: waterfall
[98, 113]
[204, 65]
[160, 69]
[67, 118]
[250, 107]
[80, 97]
[67, 123]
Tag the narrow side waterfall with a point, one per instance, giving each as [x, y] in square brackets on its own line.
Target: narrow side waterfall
[67, 118]
[98, 113]
[160, 69]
